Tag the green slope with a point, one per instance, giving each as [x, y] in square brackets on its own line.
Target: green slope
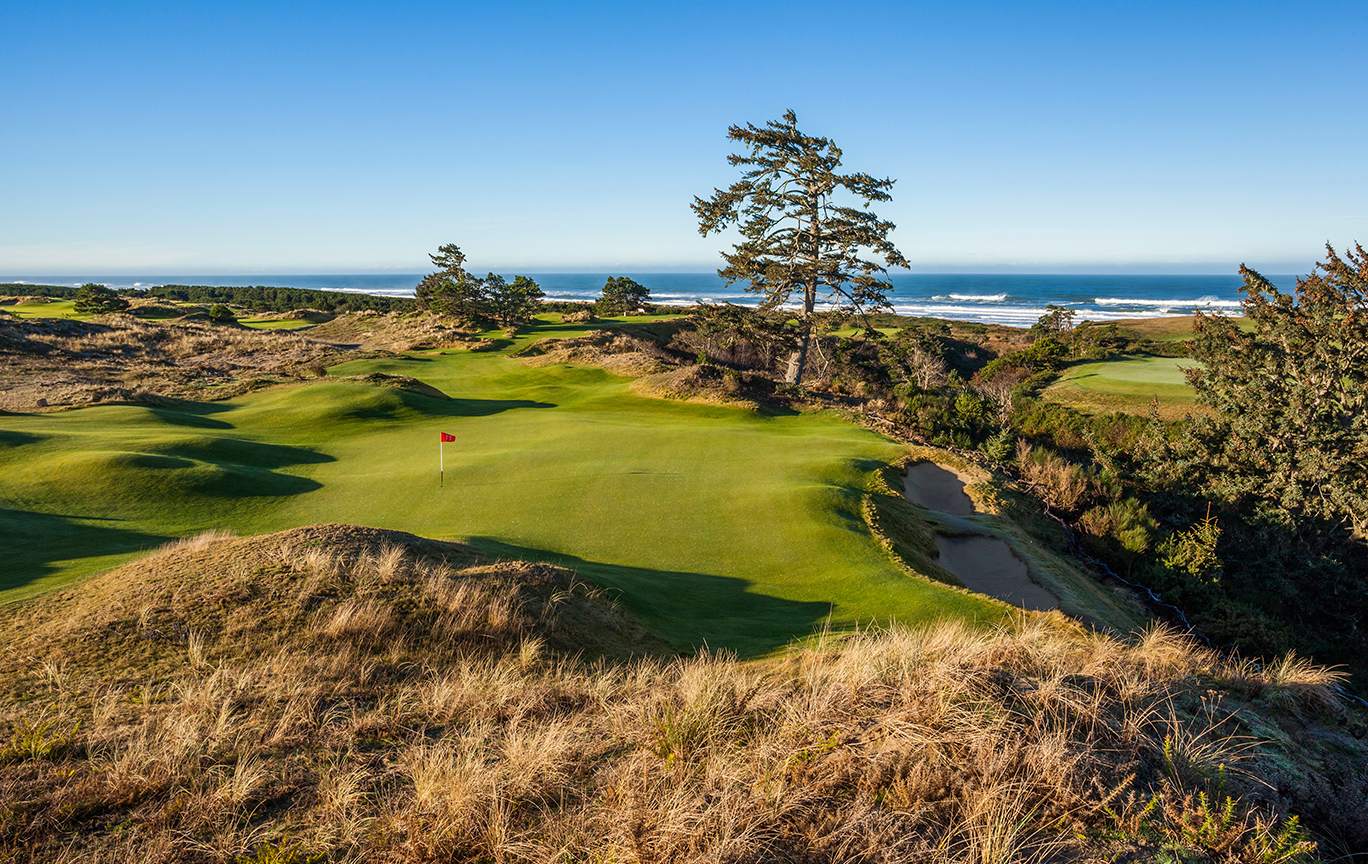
[720, 525]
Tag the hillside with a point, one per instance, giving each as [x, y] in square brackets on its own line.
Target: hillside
[334, 693]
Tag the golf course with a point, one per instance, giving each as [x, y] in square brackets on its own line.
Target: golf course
[719, 525]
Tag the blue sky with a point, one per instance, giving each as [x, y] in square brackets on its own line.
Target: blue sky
[348, 137]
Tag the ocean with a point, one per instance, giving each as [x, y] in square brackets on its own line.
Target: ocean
[1015, 299]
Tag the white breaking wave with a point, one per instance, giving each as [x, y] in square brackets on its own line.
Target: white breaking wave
[972, 298]
[1166, 304]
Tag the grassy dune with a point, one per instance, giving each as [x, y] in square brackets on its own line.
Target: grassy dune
[344, 694]
[1126, 384]
[721, 525]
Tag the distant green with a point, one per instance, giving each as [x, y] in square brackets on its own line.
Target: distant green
[1125, 384]
[719, 525]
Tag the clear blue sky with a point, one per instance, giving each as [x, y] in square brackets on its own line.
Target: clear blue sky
[343, 137]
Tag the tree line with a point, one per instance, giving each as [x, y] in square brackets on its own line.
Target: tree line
[454, 292]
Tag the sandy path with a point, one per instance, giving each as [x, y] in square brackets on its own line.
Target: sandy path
[983, 564]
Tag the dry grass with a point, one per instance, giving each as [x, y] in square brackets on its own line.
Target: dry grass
[375, 697]
[120, 358]
[1064, 484]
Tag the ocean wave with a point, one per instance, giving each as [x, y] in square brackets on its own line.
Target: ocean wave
[1166, 304]
[1017, 316]
[972, 298]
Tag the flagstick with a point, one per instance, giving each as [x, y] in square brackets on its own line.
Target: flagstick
[441, 462]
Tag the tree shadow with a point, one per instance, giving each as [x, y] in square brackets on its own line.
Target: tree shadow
[687, 610]
[34, 542]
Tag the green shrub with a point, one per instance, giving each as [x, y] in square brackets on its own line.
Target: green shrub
[93, 299]
[221, 313]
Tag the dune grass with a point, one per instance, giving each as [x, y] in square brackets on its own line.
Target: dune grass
[720, 525]
[1127, 384]
[346, 694]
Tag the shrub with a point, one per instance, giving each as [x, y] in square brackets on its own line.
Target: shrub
[93, 299]
[221, 314]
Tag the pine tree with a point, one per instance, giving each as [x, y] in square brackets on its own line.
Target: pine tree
[796, 237]
[98, 299]
[511, 303]
[622, 295]
[1291, 395]
[450, 290]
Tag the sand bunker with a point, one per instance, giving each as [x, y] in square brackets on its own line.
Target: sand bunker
[936, 487]
[987, 565]
[983, 564]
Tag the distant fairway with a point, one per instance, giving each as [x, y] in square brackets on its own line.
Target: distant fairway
[55, 309]
[1127, 384]
[720, 525]
[281, 324]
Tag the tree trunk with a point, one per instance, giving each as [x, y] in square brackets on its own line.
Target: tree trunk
[798, 359]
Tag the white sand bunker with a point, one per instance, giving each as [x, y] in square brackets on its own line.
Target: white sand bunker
[983, 564]
[987, 565]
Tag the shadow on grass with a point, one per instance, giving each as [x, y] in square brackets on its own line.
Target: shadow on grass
[212, 467]
[482, 407]
[687, 610]
[34, 542]
[434, 407]
[193, 414]
[10, 438]
[226, 452]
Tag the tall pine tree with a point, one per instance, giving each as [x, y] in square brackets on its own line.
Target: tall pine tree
[796, 237]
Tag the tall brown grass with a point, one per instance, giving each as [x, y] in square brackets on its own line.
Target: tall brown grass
[413, 709]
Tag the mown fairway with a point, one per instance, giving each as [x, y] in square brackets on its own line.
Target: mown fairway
[55, 309]
[720, 525]
[1127, 384]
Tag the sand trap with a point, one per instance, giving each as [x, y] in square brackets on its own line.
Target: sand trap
[987, 565]
[936, 487]
[983, 564]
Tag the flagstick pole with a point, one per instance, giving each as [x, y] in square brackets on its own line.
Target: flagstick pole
[441, 462]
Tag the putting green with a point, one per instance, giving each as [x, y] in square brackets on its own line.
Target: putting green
[1127, 384]
[719, 525]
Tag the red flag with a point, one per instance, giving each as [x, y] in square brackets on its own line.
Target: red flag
[448, 438]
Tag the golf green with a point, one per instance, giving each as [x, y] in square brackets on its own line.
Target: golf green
[719, 525]
[1126, 384]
